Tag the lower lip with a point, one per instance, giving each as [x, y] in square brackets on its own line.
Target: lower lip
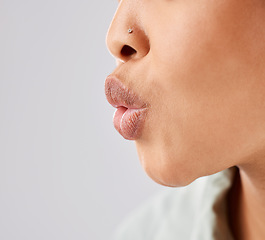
[129, 122]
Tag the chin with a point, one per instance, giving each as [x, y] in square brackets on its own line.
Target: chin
[167, 172]
[167, 179]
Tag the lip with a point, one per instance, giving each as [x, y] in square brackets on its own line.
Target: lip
[131, 112]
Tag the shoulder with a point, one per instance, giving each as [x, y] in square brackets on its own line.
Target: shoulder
[179, 212]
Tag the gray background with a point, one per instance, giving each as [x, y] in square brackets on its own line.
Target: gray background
[65, 173]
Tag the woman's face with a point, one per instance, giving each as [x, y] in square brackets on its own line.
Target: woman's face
[200, 66]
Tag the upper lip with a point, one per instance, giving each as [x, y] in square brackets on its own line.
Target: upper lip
[120, 96]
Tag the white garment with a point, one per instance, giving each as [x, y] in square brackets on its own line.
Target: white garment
[198, 211]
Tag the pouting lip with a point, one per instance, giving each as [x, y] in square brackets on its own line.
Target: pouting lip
[120, 96]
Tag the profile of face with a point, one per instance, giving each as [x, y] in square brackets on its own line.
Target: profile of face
[198, 67]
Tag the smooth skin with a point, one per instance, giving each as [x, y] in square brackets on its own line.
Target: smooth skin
[201, 67]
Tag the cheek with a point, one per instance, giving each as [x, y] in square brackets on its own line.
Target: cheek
[191, 132]
[198, 36]
[202, 121]
[207, 108]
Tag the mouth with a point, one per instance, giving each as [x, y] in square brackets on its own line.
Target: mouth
[129, 118]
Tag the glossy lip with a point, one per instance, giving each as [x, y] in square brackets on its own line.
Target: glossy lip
[131, 111]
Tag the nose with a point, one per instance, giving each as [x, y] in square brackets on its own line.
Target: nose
[126, 38]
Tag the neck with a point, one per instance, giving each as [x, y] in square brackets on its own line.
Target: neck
[247, 200]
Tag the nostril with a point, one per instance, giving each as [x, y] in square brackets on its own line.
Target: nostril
[127, 51]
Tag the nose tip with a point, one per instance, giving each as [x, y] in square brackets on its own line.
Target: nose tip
[126, 41]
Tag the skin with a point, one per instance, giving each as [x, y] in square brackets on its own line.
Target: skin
[201, 67]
